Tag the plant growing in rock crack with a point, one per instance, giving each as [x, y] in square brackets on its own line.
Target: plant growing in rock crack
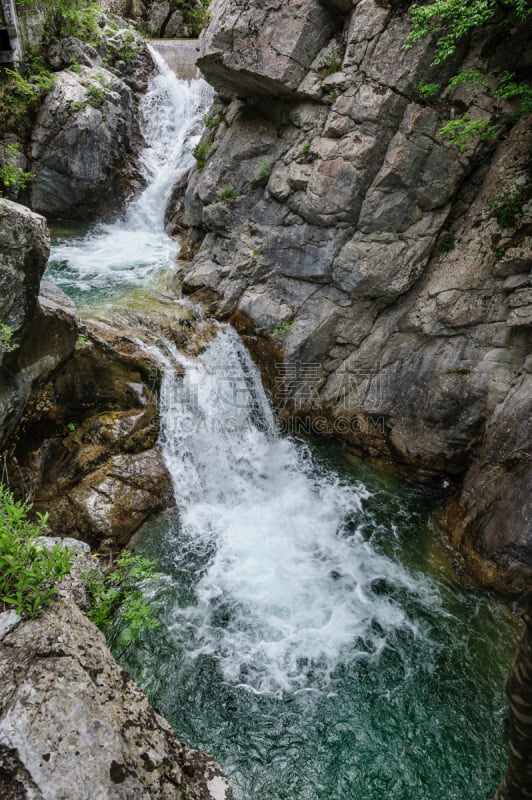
[228, 193]
[6, 336]
[284, 327]
[446, 242]
[507, 208]
[462, 132]
[450, 20]
[29, 572]
[201, 153]
[263, 172]
[13, 178]
[331, 60]
[118, 606]
[429, 90]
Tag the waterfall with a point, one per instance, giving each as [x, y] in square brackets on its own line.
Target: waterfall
[135, 247]
[286, 588]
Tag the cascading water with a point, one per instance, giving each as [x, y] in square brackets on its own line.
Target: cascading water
[289, 574]
[129, 251]
[306, 637]
[311, 637]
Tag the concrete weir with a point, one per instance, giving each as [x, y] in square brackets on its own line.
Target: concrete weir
[180, 55]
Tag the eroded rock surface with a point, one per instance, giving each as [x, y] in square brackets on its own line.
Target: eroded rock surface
[370, 246]
[73, 724]
[43, 326]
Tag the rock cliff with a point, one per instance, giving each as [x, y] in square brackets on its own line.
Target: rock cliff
[328, 212]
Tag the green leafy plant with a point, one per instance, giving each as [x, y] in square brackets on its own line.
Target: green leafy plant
[283, 328]
[71, 427]
[62, 18]
[211, 122]
[507, 208]
[96, 95]
[470, 78]
[21, 94]
[450, 20]
[255, 252]
[332, 96]
[464, 131]
[6, 335]
[509, 89]
[331, 60]
[118, 606]
[305, 147]
[29, 572]
[445, 243]
[201, 153]
[128, 48]
[81, 340]
[263, 172]
[228, 193]
[12, 176]
[429, 90]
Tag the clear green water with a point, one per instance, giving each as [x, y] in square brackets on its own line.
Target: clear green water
[425, 718]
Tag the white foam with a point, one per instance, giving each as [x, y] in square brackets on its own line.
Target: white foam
[287, 593]
[135, 247]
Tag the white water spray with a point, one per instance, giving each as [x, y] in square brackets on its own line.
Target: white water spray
[286, 593]
[134, 248]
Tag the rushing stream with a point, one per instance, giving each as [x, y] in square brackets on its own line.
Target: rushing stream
[312, 637]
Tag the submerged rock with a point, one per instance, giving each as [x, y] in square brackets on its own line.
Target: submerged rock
[73, 724]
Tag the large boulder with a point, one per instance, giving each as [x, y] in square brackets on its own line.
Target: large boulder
[73, 724]
[84, 136]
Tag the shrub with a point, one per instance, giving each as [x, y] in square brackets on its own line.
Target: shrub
[201, 153]
[283, 328]
[469, 77]
[29, 573]
[228, 193]
[263, 171]
[331, 60]
[428, 90]
[117, 600]
[22, 93]
[62, 18]
[6, 334]
[450, 20]
[507, 208]
[462, 132]
[12, 176]
[445, 243]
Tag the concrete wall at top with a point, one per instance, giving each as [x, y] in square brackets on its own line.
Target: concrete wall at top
[180, 55]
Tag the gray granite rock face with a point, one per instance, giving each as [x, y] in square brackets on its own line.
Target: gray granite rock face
[44, 326]
[73, 724]
[83, 136]
[367, 232]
